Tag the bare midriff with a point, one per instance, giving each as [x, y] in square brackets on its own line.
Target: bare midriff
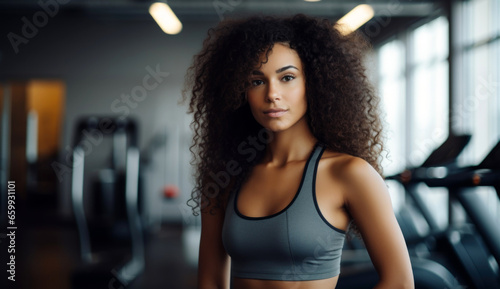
[240, 283]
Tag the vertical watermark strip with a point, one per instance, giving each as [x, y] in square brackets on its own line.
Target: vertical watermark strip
[11, 229]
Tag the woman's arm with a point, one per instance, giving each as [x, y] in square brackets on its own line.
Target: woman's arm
[367, 200]
[213, 262]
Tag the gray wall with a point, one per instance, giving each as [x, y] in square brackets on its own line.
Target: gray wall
[100, 59]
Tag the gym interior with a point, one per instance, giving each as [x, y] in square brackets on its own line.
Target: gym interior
[95, 170]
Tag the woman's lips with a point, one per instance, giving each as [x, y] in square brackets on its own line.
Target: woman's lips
[275, 112]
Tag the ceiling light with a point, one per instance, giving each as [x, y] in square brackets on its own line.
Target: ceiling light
[312, 0]
[355, 18]
[165, 18]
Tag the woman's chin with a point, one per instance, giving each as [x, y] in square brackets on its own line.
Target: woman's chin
[276, 128]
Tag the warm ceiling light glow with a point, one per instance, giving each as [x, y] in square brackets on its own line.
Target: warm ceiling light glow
[165, 18]
[355, 18]
[312, 0]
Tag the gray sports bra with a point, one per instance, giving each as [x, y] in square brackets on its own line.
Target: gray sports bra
[295, 244]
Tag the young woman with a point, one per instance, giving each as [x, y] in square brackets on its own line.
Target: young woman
[287, 146]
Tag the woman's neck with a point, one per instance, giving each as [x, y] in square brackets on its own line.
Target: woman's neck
[293, 144]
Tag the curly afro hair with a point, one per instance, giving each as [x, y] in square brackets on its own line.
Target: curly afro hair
[345, 118]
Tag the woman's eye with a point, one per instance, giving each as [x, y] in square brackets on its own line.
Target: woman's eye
[288, 77]
[256, 82]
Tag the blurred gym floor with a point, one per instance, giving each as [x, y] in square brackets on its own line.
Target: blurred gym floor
[49, 254]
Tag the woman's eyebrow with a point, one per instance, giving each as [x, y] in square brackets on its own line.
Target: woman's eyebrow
[285, 68]
[258, 72]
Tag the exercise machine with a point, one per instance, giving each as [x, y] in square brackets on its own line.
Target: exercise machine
[464, 248]
[442, 159]
[115, 201]
[481, 256]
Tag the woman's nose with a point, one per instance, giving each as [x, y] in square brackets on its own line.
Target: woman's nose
[273, 92]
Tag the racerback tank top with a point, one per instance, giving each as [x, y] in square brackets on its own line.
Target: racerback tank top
[295, 244]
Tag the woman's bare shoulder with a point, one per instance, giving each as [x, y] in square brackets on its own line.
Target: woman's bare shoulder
[353, 173]
[345, 165]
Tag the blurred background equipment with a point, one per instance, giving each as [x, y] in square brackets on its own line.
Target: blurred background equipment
[32, 116]
[469, 245]
[112, 214]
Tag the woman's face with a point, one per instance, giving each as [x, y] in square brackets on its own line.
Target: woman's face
[277, 96]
